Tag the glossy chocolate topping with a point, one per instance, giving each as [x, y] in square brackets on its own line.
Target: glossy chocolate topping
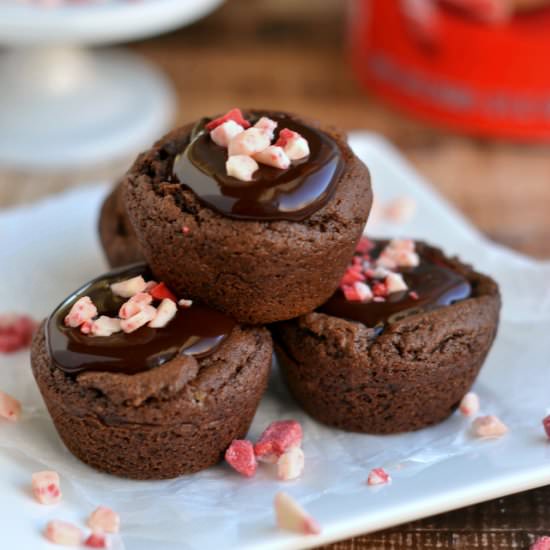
[197, 330]
[435, 284]
[274, 194]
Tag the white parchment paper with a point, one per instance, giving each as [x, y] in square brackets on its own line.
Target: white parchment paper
[51, 248]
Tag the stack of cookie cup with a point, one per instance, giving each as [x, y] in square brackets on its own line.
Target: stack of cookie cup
[238, 230]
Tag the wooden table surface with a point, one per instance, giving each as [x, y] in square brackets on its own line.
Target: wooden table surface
[291, 55]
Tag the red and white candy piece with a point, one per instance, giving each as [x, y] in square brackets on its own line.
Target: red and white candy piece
[248, 143]
[546, 424]
[16, 332]
[240, 456]
[165, 313]
[398, 253]
[378, 476]
[469, 406]
[224, 133]
[45, 487]
[97, 540]
[241, 167]
[134, 305]
[82, 310]
[160, 291]
[62, 532]
[104, 326]
[291, 464]
[10, 408]
[138, 320]
[266, 125]
[104, 520]
[543, 543]
[292, 517]
[400, 209]
[488, 426]
[234, 115]
[278, 438]
[358, 292]
[185, 303]
[294, 145]
[395, 283]
[129, 287]
[273, 156]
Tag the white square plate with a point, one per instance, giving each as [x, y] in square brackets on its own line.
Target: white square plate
[51, 248]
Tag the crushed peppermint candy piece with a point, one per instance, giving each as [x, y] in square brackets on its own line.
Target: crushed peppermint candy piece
[266, 125]
[97, 540]
[395, 283]
[273, 156]
[161, 291]
[542, 543]
[185, 303]
[278, 437]
[400, 210]
[240, 456]
[378, 476]
[64, 533]
[290, 464]
[126, 289]
[546, 424]
[292, 517]
[10, 408]
[469, 406]
[294, 145]
[16, 332]
[248, 143]
[398, 253]
[105, 326]
[138, 320]
[241, 167]
[166, 311]
[104, 520]
[45, 487]
[414, 295]
[82, 310]
[488, 426]
[234, 114]
[224, 133]
[135, 304]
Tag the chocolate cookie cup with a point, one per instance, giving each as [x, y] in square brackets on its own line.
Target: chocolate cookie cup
[396, 365]
[152, 403]
[261, 251]
[116, 233]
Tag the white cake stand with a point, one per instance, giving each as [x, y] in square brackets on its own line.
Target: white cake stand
[62, 104]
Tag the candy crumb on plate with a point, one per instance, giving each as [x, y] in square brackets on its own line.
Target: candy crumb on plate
[378, 476]
[46, 487]
[469, 406]
[10, 408]
[292, 517]
[488, 426]
[64, 533]
[240, 456]
[103, 519]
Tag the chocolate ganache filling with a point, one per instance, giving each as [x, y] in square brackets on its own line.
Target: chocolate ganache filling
[431, 285]
[273, 194]
[196, 330]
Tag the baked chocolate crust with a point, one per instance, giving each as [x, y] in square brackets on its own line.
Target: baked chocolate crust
[256, 271]
[116, 233]
[175, 419]
[410, 376]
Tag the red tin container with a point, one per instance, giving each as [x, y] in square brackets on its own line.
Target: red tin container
[448, 61]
